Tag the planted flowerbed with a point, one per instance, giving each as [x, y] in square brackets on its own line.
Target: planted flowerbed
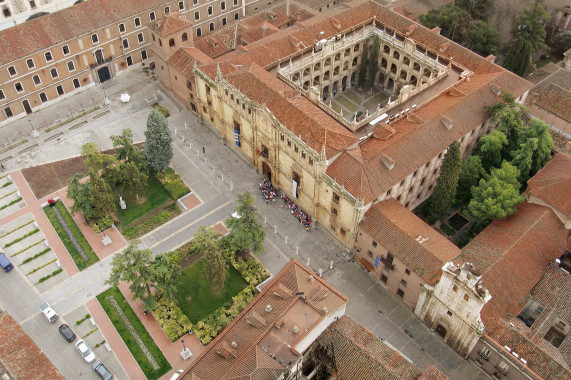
[147, 354]
[71, 236]
[210, 319]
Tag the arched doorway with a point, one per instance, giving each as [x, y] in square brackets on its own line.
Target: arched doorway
[441, 330]
[27, 108]
[267, 170]
[104, 74]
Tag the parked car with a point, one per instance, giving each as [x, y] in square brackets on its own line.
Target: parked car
[50, 314]
[102, 371]
[85, 351]
[5, 263]
[67, 332]
[176, 375]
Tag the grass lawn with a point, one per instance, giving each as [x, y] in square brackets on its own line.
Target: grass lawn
[83, 243]
[155, 196]
[447, 229]
[202, 301]
[130, 342]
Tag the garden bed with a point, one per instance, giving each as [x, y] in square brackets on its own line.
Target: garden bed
[154, 197]
[447, 229]
[457, 221]
[71, 232]
[147, 354]
[152, 220]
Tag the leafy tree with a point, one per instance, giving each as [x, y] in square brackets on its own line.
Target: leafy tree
[530, 36]
[508, 115]
[134, 266]
[101, 196]
[94, 159]
[215, 267]
[496, 197]
[165, 276]
[477, 8]
[79, 192]
[364, 64]
[158, 148]
[470, 174]
[373, 64]
[453, 21]
[482, 38]
[537, 129]
[490, 148]
[523, 158]
[134, 179]
[245, 232]
[562, 42]
[443, 196]
[127, 151]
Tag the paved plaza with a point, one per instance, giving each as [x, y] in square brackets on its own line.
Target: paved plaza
[216, 178]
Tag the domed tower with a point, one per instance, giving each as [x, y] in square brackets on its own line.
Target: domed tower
[167, 35]
[452, 308]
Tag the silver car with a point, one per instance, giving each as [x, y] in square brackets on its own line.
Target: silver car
[85, 351]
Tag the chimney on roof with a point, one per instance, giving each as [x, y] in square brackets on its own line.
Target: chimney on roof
[310, 278]
[268, 308]
[295, 329]
[234, 344]
[324, 310]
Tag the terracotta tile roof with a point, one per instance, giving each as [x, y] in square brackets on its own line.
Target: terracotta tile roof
[397, 228]
[553, 183]
[184, 58]
[20, 356]
[257, 32]
[359, 354]
[513, 255]
[553, 293]
[556, 100]
[295, 112]
[66, 24]
[254, 333]
[432, 373]
[173, 23]
[362, 170]
[541, 74]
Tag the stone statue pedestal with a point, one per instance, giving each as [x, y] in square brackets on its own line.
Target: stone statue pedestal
[106, 240]
[185, 354]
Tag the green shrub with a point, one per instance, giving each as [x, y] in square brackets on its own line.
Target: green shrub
[162, 110]
[172, 183]
[36, 255]
[59, 270]
[17, 228]
[7, 184]
[102, 224]
[171, 319]
[11, 203]
[150, 224]
[21, 238]
[87, 316]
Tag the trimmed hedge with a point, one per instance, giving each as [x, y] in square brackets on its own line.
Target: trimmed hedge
[36, 255]
[172, 183]
[21, 237]
[151, 223]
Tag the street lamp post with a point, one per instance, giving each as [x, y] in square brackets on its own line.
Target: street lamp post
[183, 347]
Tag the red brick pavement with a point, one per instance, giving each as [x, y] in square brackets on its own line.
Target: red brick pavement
[191, 202]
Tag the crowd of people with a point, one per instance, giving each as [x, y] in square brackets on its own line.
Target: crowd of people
[269, 192]
[301, 216]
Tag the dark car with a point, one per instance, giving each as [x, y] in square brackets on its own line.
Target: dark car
[102, 371]
[5, 263]
[67, 332]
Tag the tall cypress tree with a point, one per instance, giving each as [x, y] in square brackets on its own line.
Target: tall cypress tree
[445, 190]
[364, 64]
[373, 64]
[158, 148]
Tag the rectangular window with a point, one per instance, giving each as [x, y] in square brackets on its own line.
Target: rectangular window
[403, 282]
[310, 161]
[224, 21]
[235, 2]
[60, 90]
[33, 4]
[195, 2]
[144, 54]
[197, 15]
[236, 15]
[71, 66]
[137, 22]
[125, 43]
[374, 244]
[18, 87]
[43, 97]
[121, 28]
[198, 32]
[407, 272]
[2, 96]
[37, 80]
[384, 279]
[181, 5]
[211, 27]
[140, 38]
[223, 5]
[30, 63]
[94, 38]
[335, 198]
[289, 143]
[53, 73]
[152, 16]
[167, 10]
[400, 293]
[65, 50]
[210, 10]
[129, 61]
[8, 112]
[295, 149]
[189, 85]
[369, 253]
[12, 71]
[76, 83]
[48, 56]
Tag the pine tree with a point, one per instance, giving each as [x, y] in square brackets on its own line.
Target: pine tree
[215, 266]
[490, 148]
[158, 148]
[135, 181]
[101, 196]
[443, 196]
[79, 192]
[245, 232]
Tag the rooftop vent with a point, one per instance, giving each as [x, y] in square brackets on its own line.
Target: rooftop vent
[295, 329]
[310, 278]
[268, 308]
[279, 323]
[324, 310]
[234, 344]
[226, 351]
[445, 120]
